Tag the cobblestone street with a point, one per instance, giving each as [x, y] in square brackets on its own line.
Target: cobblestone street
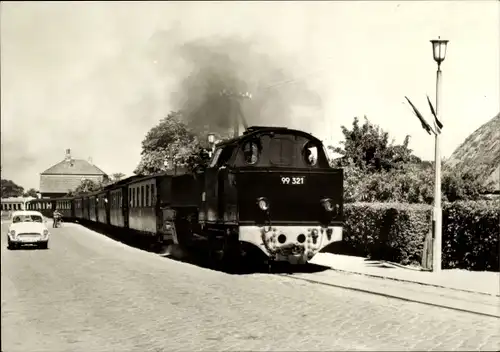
[90, 293]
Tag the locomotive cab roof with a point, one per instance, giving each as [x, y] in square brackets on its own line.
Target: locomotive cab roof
[263, 146]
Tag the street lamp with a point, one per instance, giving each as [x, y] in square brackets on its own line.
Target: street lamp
[439, 53]
[211, 142]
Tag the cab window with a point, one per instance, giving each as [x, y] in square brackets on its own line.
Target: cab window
[251, 152]
[281, 151]
[310, 154]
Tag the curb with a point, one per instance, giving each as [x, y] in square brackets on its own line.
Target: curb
[414, 282]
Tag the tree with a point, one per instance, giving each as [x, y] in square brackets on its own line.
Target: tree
[10, 189]
[464, 184]
[367, 147]
[170, 144]
[88, 185]
[117, 176]
[31, 193]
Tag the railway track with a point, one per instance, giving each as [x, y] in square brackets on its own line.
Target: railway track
[478, 304]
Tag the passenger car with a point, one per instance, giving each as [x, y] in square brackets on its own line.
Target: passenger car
[28, 227]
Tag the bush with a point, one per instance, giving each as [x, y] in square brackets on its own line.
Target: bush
[470, 235]
[396, 232]
[389, 231]
[412, 184]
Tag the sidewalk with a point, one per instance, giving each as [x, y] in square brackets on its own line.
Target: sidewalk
[484, 282]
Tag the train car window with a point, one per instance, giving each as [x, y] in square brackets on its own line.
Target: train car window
[310, 154]
[147, 196]
[130, 196]
[281, 151]
[251, 152]
[133, 198]
[142, 197]
[153, 199]
[215, 157]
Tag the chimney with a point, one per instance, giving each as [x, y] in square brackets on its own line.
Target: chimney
[68, 154]
[90, 159]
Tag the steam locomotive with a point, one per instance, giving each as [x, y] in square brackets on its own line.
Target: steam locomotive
[270, 191]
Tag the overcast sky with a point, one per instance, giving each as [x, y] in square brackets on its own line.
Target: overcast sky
[86, 76]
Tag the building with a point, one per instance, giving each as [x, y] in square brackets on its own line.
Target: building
[68, 174]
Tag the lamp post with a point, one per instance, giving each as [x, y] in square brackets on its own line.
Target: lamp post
[211, 143]
[439, 53]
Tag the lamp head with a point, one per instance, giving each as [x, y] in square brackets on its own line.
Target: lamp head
[439, 49]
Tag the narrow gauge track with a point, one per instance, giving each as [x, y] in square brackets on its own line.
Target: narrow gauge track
[291, 276]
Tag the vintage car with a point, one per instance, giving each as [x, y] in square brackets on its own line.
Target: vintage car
[28, 228]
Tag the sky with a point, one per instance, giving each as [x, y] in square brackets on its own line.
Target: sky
[88, 76]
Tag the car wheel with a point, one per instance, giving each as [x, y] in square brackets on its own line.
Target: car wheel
[44, 245]
[10, 246]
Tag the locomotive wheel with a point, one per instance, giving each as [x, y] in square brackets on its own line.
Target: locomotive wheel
[231, 255]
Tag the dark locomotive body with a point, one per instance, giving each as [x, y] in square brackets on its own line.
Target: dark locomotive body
[270, 189]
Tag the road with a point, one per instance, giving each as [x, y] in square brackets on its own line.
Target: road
[90, 293]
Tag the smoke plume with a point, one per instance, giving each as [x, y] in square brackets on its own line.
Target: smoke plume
[206, 67]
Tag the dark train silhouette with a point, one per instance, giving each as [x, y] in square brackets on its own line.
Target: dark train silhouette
[270, 191]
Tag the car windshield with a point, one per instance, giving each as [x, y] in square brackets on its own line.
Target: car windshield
[27, 218]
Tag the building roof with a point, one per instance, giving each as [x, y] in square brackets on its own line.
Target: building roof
[74, 167]
[62, 183]
[480, 152]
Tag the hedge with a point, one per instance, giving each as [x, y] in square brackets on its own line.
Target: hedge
[396, 232]
[471, 233]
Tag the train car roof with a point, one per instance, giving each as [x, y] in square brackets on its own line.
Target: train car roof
[139, 178]
[254, 131]
[63, 198]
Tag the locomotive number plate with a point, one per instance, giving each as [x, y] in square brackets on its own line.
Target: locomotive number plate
[285, 180]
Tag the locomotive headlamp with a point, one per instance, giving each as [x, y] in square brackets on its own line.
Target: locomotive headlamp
[263, 203]
[327, 204]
